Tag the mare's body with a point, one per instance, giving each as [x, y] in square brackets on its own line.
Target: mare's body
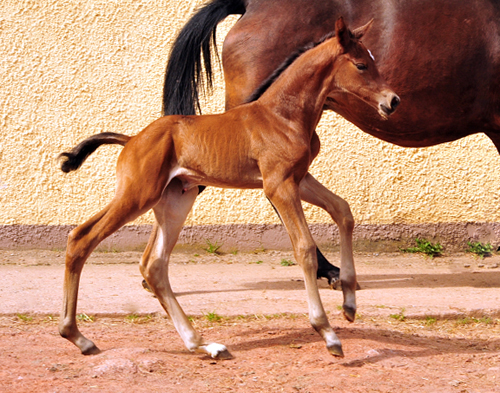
[441, 56]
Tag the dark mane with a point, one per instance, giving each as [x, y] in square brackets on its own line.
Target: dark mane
[257, 93]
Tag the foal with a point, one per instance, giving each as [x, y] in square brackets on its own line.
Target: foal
[268, 143]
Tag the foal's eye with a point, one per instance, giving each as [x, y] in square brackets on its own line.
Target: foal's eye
[361, 66]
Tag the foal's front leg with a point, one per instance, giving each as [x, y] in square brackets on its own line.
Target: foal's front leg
[286, 199]
[314, 192]
[170, 213]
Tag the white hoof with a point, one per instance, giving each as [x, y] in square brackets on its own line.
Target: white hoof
[216, 351]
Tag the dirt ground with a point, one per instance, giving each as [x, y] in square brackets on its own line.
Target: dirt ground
[423, 326]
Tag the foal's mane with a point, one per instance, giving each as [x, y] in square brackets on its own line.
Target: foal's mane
[257, 93]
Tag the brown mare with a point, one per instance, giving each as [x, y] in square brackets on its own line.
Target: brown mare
[268, 143]
[441, 56]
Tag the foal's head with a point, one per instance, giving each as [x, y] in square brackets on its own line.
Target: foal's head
[356, 72]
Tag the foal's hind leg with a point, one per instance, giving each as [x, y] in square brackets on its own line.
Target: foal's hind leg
[314, 192]
[286, 198]
[170, 213]
[153, 236]
[81, 242]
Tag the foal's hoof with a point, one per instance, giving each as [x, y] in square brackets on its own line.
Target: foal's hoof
[217, 351]
[336, 350]
[224, 355]
[91, 350]
[349, 313]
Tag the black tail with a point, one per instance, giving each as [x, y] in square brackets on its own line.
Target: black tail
[75, 158]
[183, 76]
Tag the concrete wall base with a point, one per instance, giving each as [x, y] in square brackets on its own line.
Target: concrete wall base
[369, 238]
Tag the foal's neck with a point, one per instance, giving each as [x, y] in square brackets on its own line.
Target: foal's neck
[299, 94]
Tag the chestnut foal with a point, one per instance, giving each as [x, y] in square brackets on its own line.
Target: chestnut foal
[268, 143]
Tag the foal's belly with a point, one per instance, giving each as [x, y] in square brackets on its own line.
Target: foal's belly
[222, 177]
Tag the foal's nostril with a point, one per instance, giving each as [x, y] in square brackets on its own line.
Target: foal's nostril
[389, 104]
[395, 102]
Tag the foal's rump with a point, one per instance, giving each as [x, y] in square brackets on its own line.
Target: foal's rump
[147, 143]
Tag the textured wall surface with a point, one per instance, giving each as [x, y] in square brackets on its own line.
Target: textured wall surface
[70, 69]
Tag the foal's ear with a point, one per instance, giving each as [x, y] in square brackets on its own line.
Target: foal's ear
[361, 31]
[342, 32]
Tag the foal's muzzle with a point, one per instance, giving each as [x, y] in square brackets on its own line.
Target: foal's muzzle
[389, 105]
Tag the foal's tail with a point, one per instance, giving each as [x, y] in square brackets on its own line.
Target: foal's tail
[72, 160]
[183, 76]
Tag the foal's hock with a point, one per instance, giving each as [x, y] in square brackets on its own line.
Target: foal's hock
[268, 143]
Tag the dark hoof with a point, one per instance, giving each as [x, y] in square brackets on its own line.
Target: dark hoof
[349, 313]
[224, 355]
[337, 285]
[331, 275]
[91, 350]
[336, 350]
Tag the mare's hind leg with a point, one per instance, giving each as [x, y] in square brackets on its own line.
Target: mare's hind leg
[314, 192]
[286, 199]
[170, 213]
[81, 242]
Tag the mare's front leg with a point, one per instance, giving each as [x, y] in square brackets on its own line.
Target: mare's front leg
[170, 213]
[314, 192]
[285, 196]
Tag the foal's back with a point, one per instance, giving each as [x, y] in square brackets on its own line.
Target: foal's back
[216, 150]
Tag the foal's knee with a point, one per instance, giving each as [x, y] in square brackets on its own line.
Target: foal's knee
[348, 221]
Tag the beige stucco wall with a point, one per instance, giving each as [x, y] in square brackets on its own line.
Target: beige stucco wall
[70, 69]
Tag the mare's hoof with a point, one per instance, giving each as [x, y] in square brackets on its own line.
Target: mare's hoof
[336, 350]
[349, 313]
[332, 276]
[337, 285]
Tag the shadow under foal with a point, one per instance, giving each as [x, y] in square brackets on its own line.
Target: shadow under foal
[268, 143]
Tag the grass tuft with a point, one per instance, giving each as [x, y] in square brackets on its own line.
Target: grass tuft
[24, 317]
[479, 249]
[135, 318]
[212, 248]
[400, 316]
[425, 247]
[212, 317]
[85, 318]
[287, 262]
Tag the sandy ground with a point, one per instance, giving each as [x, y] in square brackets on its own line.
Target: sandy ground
[423, 326]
